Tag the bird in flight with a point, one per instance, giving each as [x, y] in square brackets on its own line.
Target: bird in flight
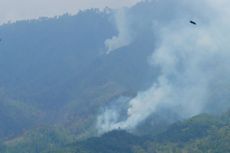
[193, 22]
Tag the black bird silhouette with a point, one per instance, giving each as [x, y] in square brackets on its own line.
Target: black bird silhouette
[193, 22]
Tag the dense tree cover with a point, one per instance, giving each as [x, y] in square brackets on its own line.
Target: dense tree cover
[202, 133]
[55, 78]
[55, 71]
[38, 140]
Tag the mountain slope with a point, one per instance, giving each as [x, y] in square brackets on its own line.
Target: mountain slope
[202, 133]
[57, 70]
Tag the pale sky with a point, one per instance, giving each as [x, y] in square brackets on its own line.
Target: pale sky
[11, 10]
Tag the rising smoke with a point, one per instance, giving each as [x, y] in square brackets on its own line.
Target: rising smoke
[194, 62]
[124, 37]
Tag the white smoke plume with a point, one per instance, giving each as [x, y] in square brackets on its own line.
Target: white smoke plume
[124, 37]
[194, 63]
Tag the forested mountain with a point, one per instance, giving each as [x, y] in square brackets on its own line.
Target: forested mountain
[56, 71]
[132, 80]
[202, 133]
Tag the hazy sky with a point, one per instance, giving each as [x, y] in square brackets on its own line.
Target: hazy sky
[24, 9]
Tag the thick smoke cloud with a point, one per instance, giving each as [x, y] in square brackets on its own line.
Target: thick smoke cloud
[113, 113]
[194, 62]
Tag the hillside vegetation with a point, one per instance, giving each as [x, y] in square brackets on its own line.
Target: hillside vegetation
[59, 75]
[202, 133]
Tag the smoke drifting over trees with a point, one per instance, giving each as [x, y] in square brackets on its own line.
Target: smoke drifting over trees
[193, 60]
